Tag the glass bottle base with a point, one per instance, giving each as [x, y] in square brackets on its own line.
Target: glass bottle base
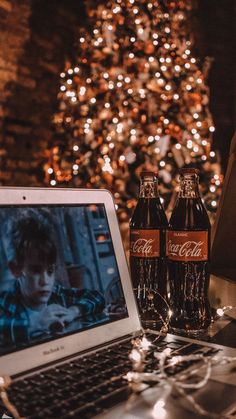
[188, 332]
[152, 324]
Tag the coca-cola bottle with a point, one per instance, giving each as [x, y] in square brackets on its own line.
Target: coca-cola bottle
[188, 249]
[148, 262]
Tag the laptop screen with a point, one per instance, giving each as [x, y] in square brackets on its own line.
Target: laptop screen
[59, 273]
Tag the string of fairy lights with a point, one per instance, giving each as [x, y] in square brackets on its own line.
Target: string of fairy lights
[166, 383]
[139, 379]
[135, 98]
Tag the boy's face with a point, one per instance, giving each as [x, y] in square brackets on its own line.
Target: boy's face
[36, 281]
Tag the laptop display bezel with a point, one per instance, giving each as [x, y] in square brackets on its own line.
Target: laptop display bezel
[43, 353]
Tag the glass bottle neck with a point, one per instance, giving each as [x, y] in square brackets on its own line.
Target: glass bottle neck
[148, 188]
[189, 187]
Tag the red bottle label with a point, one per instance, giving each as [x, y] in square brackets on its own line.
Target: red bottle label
[145, 243]
[186, 246]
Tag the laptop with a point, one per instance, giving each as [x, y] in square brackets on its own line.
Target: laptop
[77, 276]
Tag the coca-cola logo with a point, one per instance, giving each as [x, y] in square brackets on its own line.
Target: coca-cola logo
[145, 243]
[142, 246]
[187, 245]
[187, 249]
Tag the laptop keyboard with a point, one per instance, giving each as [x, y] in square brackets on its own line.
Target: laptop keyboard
[89, 385]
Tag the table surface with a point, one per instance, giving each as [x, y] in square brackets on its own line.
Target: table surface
[214, 396]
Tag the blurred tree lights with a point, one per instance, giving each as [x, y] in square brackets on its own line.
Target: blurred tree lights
[135, 98]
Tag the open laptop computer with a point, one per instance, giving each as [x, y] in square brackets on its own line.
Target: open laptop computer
[89, 273]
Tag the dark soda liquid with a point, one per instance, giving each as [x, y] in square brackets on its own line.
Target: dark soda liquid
[149, 274]
[189, 281]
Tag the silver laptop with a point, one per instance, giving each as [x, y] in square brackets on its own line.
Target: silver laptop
[66, 297]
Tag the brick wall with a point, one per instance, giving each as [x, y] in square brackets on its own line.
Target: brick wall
[36, 37]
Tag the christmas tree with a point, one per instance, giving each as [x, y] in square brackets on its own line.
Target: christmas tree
[136, 98]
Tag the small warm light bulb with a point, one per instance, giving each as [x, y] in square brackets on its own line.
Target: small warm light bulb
[158, 411]
[135, 355]
[145, 343]
[220, 312]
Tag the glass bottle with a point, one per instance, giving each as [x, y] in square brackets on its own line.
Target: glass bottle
[188, 249]
[148, 262]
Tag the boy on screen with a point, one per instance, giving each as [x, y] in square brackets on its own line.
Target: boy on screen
[35, 305]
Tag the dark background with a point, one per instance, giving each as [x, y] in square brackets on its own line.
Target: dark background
[38, 36]
[214, 34]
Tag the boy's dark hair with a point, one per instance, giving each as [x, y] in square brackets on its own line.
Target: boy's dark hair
[29, 232]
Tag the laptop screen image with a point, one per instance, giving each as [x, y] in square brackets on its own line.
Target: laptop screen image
[59, 273]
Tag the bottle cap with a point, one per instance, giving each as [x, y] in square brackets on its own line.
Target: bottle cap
[145, 173]
[188, 171]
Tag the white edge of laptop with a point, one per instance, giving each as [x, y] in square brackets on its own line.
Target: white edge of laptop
[41, 354]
